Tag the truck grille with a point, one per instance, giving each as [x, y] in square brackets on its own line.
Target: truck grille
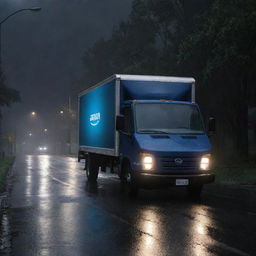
[184, 163]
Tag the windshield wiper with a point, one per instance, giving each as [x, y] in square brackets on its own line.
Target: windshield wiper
[153, 131]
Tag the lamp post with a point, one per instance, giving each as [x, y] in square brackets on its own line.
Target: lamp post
[33, 9]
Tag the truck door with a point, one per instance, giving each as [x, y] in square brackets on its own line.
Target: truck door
[126, 139]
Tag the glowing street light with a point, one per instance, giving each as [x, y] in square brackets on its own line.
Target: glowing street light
[33, 113]
[30, 134]
[45, 130]
[61, 112]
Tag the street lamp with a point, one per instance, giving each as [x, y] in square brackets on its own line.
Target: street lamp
[61, 112]
[45, 130]
[33, 113]
[30, 134]
[33, 9]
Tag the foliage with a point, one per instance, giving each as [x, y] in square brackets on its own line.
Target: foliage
[236, 175]
[225, 38]
[212, 40]
[223, 45]
[7, 95]
[147, 43]
[5, 164]
[130, 50]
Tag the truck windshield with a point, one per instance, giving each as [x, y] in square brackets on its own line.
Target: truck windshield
[172, 118]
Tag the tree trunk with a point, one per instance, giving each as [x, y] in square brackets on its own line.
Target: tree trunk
[242, 131]
[242, 118]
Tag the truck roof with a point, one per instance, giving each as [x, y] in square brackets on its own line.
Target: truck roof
[155, 87]
[154, 78]
[159, 101]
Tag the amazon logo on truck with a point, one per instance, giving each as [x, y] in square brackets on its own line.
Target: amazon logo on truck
[95, 119]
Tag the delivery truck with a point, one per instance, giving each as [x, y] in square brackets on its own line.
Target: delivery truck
[147, 129]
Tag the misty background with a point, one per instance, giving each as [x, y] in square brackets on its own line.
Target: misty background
[42, 56]
[51, 55]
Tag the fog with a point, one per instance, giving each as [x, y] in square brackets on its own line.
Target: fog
[42, 53]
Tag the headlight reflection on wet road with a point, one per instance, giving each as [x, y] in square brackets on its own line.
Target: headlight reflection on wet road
[29, 169]
[200, 238]
[55, 214]
[149, 224]
[44, 182]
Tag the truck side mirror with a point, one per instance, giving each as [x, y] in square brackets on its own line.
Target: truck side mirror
[119, 123]
[211, 126]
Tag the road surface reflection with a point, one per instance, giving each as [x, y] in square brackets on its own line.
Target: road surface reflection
[59, 213]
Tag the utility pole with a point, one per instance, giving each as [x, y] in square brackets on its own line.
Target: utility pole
[69, 125]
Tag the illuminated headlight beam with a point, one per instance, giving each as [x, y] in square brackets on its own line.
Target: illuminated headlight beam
[147, 162]
[205, 162]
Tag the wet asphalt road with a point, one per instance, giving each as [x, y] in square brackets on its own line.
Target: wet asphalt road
[54, 211]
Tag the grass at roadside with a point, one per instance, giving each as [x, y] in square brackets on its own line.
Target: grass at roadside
[236, 175]
[5, 164]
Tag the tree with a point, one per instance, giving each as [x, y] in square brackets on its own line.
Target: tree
[212, 40]
[147, 43]
[131, 49]
[222, 52]
[7, 95]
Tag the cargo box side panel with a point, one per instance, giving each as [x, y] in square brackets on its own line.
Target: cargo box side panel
[97, 120]
[156, 90]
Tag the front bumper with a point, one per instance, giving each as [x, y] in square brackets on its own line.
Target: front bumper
[154, 179]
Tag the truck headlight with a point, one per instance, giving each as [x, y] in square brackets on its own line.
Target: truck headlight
[147, 162]
[205, 162]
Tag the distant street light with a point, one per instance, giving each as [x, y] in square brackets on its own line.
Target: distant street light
[33, 113]
[61, 112]
[33, 9]
[30, 134]
[45, 130]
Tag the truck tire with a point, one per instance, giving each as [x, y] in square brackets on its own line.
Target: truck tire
[127, 177]
[195, 191]
[92, 169]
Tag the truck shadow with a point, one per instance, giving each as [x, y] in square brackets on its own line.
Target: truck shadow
[113, 189]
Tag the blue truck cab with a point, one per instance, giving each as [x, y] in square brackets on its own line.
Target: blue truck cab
[148, 129]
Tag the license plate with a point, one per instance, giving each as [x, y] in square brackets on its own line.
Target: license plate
[181, 182]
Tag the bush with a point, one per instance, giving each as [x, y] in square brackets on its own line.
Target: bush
[5, 164]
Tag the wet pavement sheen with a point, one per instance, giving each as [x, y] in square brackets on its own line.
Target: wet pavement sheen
[55, 211]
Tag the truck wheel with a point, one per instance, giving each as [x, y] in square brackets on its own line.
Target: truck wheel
[128, 177]
[92, 169]
[195, 190]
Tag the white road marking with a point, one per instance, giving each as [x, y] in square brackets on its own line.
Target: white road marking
[64, 183]
[219, 244]
[231, 249]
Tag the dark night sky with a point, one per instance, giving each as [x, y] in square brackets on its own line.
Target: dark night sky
[42, 51]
